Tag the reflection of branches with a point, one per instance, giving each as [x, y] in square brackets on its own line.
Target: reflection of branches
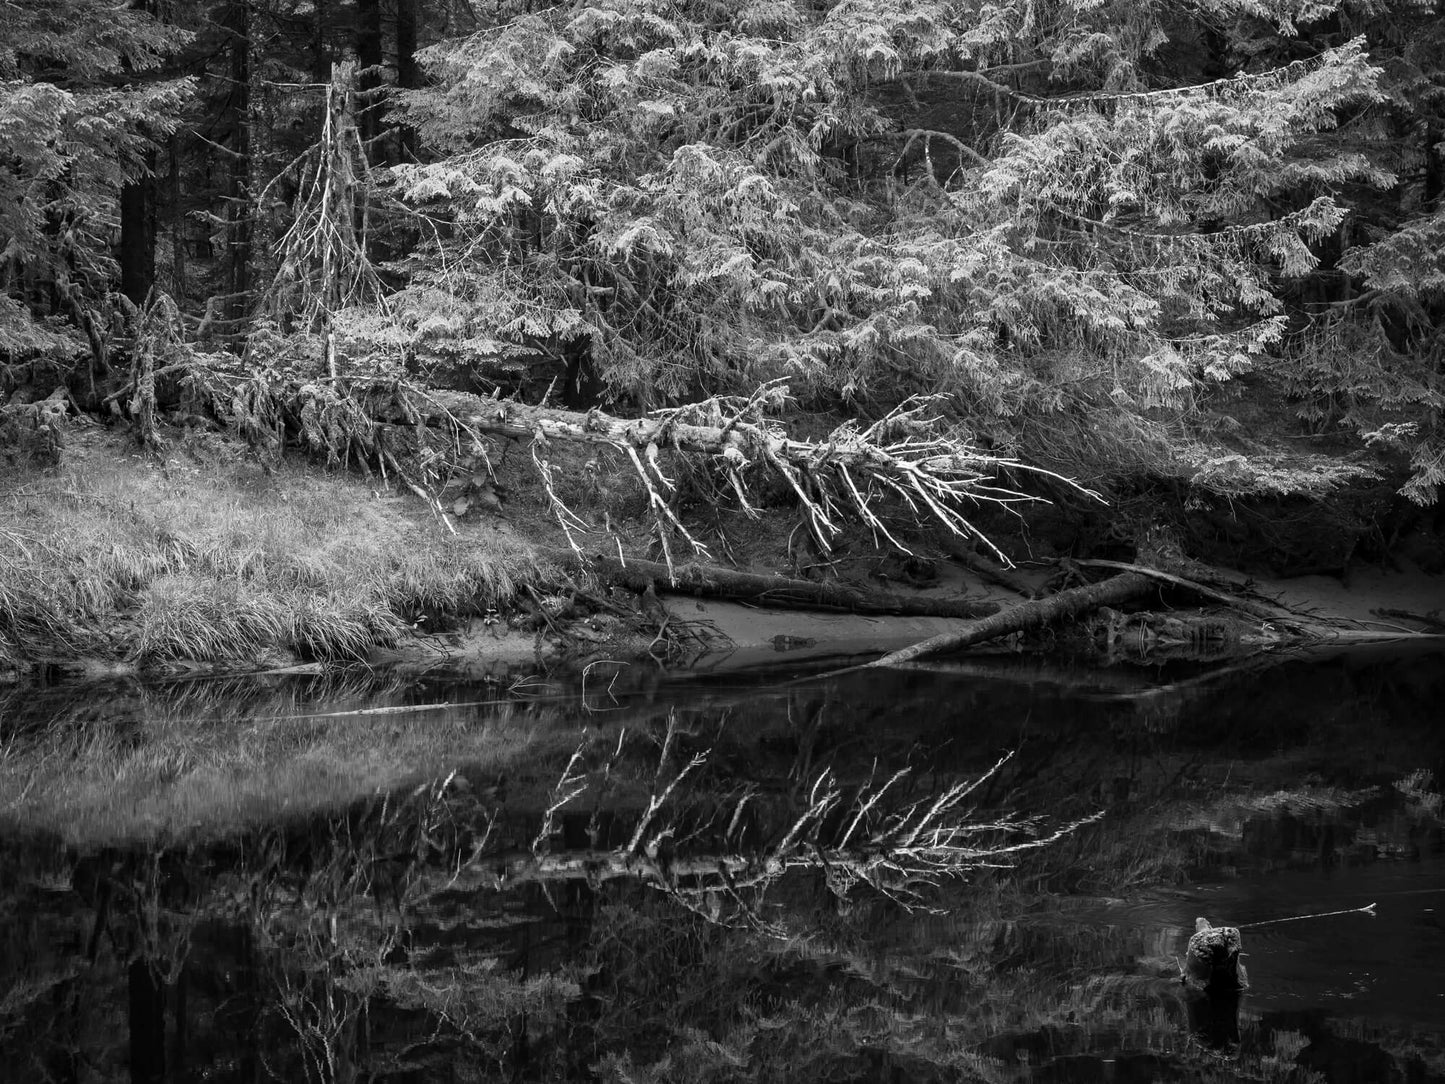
[639, 843]
[328, 954]
[323, 1012]
[864, 837]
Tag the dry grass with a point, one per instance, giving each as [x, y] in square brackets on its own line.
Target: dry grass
[210, 559]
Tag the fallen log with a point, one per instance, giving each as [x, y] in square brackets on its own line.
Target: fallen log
[1262, 610]
[780, 592]
[1025, 616]
[912, 460]
[906, 456]
[983, 568]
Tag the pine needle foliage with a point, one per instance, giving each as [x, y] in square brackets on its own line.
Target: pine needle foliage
[79, 106]
[1027, 208]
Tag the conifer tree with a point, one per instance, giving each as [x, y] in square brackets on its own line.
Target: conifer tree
[80, 114]
[1078, 222]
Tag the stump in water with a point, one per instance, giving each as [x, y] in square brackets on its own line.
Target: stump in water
[1212, 959]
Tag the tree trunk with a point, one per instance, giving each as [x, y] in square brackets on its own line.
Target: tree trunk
[1028, 615]
[321, 58]
[408, 72]
[369, 57]
[239, 212]
[779, 592]
[138, 234]
[178, 222]
[138, 221]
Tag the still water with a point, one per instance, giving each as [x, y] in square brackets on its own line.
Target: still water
[981, 871]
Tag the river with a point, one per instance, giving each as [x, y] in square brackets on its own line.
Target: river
[981, 871]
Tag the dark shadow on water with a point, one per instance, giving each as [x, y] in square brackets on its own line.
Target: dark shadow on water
[1214, 1019]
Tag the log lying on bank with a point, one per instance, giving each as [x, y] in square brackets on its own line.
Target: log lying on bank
[911, 458]
[906, 455]
[1028, 615]
[778, 592]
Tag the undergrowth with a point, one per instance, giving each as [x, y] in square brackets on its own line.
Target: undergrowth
[118, 559]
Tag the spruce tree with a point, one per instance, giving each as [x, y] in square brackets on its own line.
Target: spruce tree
[1079, 223]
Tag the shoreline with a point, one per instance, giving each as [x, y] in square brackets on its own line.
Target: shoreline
[208, 560]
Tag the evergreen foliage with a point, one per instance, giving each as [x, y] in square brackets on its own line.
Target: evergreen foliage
[1129, 242]
[1027, 208]
[79, 107]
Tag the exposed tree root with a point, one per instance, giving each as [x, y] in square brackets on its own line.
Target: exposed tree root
[712, 581]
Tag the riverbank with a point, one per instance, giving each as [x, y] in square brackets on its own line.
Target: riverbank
[207, 557]
[118, 560]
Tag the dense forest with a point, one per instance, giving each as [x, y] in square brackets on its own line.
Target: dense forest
[883, 267]
[1123, 241]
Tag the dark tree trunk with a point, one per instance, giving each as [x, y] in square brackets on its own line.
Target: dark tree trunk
[138, 234]
[321, 58]
[369, 58]
[178, 222]
[238, 24]
[137, 255]
[408, 73]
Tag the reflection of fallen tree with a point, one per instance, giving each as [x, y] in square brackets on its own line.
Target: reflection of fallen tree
[868, 836]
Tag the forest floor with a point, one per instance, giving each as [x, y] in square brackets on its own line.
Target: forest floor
[204, 556]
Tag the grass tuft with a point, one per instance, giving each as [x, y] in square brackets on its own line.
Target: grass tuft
[120, 559]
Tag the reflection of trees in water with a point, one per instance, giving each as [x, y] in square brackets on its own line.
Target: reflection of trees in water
[422, 935]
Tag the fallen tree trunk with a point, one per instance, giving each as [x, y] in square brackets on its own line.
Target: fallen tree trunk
[1025, 616]
[1263, 611]
[910, 461]
[983, 568]
[712, 581]
[905, 456]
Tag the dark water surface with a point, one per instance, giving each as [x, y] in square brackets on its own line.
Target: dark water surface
[357, 877]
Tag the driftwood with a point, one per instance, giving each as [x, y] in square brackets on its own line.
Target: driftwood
[711, 581]
[1027, 615]
[1262, 610]
[1135, 580]
[1431, 621]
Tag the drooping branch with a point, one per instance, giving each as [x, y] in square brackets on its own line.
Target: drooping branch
[907, 455]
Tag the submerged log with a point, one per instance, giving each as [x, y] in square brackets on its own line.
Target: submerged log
[1212, 959]
[712, 581]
